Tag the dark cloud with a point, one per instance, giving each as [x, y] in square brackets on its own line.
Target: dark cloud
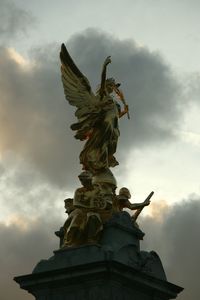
[33, 114]
[13, 20]
[150, 88]
[24, 191]
[36, 118]
[175, 238]
[23, 244]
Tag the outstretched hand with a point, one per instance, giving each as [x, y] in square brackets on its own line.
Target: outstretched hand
[146, 202]
[107, 61]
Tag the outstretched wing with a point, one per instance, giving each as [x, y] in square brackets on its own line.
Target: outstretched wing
[77, 88]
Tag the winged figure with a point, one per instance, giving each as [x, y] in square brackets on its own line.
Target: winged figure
[97, 114]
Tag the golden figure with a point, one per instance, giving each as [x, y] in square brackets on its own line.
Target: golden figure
[84, 223]
[74, 225]
[97, 114]
[122, 201]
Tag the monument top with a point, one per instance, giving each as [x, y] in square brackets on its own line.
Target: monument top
[99, 255]
[97, 113]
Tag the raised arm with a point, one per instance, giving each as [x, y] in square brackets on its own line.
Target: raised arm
[103, 77]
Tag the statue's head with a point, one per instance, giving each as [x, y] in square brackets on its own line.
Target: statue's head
[69, 205]
[111, 85]
[85, 178]
[124, 192]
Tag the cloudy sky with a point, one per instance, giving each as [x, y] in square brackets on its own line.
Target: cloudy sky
[155, 48]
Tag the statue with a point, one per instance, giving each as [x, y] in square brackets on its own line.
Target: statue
[95, 202]
[97, 114]
[99, 255]
[83, 224]
[122, 201]
[74, 225]
[71, 233]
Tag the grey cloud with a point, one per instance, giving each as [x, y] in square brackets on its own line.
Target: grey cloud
[150, 88]
[33, 115]
[36, 118]
[13, 20]
[24, 191]
[176, 240]
[21, 249]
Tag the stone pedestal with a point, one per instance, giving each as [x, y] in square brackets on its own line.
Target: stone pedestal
[115, 269]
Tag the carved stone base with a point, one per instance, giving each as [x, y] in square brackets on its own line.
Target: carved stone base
[116, 269]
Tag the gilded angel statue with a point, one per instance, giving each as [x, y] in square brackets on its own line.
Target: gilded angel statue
[97, 114]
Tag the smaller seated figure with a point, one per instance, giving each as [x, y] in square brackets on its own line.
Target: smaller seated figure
[122, 201]
[62, 231]
[84, 224]
[104, 184]
[86, 199]
[74, 225]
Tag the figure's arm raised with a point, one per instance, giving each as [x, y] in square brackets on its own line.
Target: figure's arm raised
[103, 77]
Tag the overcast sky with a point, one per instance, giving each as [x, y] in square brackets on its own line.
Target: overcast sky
[155, 48]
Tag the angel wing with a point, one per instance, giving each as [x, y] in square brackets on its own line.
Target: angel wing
[78, 92]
